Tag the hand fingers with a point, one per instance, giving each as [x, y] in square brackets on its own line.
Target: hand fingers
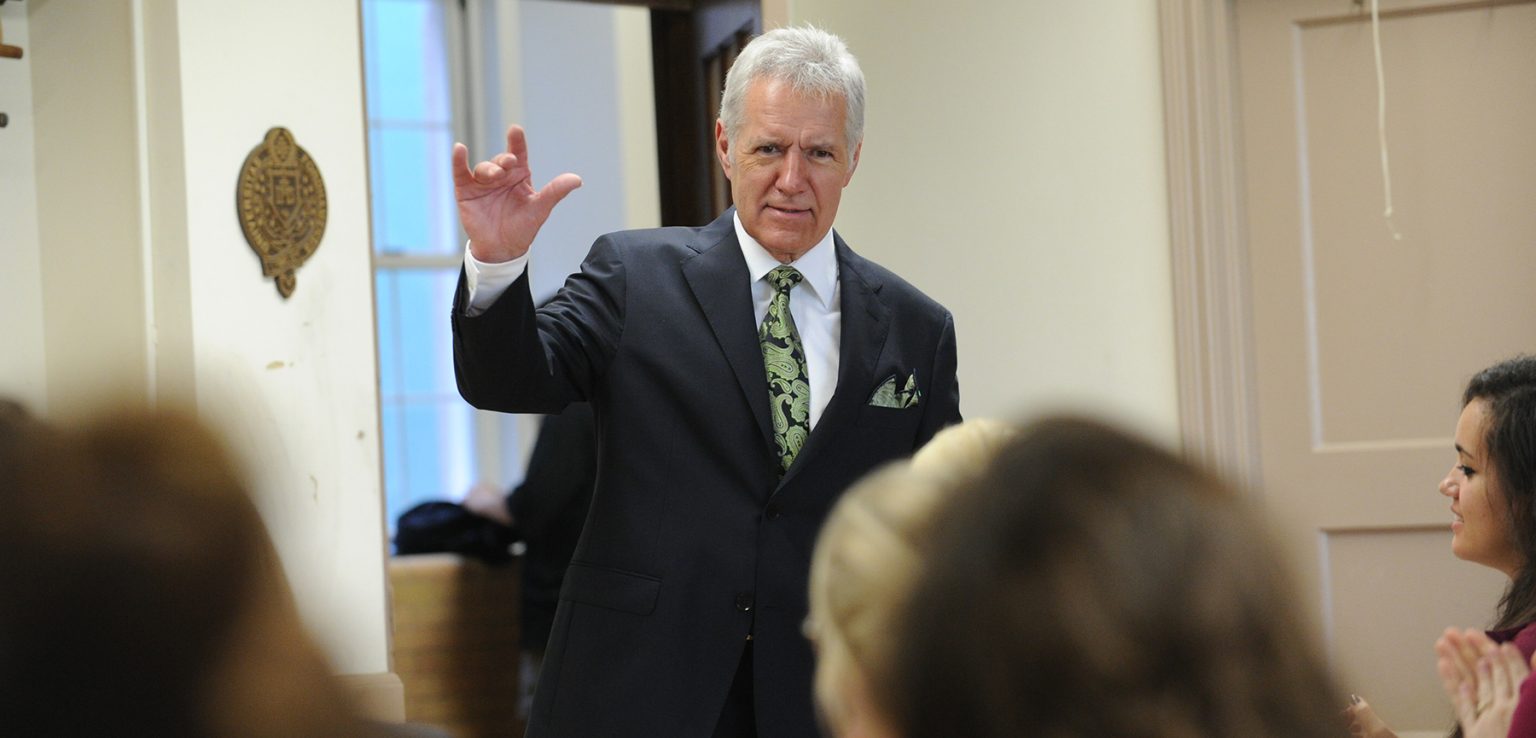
[1515, 667]
[487, 173]
[1469, 650]
[559, 187]
[517, 143]
[1450, 676]
[1498, 666]
[1484, 685]
[461, 173]
[554, 192]
[1365, 717]
[1451, 643]
[1466, 707]
[1478, 642]
[1468, 647]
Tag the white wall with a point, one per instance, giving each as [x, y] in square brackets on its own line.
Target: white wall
[146, 112]
[295, 379]
[1013, 168]
[88, 214]
[23, 374]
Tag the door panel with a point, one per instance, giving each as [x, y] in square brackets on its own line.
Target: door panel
[1363, 342]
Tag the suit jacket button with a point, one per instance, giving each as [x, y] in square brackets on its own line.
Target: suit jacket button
[772, 512]
[744, 602]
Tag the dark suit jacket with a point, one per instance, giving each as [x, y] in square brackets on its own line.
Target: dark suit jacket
[693, 542]
[548, 510]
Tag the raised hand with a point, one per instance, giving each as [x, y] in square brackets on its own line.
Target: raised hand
[1487, 709]
[1457, 653]
[498, 205]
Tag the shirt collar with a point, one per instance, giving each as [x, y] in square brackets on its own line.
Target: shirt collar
[818, 265]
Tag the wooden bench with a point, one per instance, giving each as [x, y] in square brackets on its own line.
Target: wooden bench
[455, 645]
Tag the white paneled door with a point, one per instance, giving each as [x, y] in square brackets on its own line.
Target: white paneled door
[1364, 341]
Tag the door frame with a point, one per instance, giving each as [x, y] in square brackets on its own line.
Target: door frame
[1212, 296]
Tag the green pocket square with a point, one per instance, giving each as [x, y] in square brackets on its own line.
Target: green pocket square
[886, 395]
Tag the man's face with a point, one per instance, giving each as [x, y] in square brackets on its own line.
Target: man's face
[788, 166]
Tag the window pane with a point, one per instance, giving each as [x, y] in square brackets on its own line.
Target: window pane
[397, 496]
[413, 191]
[388, 299]
[429, 454]
[428, 429]
[404, 48]
[422, 341]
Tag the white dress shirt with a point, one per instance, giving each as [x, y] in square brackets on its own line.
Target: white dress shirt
[815, 303]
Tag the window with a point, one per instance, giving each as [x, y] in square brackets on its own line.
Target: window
[444, 70]
[434, 442]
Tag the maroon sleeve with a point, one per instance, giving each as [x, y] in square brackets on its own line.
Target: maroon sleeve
[1524, 723]
[1525, 640]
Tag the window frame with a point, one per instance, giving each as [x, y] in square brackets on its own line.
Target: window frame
[496, 436]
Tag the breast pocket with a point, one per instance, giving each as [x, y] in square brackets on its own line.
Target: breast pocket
[891, 424]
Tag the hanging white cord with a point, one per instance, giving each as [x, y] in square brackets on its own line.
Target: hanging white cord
[1381, 118]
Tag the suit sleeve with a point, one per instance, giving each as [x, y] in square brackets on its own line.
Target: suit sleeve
[513, 358]
[941, 407]
[561, 473]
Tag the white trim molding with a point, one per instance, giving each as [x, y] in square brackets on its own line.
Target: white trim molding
[1212, 310]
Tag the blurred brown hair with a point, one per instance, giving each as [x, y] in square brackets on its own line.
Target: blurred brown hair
[868, 553]
[1090, 584]
[139, 593]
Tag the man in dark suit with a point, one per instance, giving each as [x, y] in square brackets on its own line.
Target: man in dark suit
[743, 374]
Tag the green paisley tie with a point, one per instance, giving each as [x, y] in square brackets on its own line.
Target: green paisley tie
[789, 388]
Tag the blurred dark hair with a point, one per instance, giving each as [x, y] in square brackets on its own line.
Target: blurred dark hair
[15, 421]
[1091, 584]
[1509, 389]
[136, 579]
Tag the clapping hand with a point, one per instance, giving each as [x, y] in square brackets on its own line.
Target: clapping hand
[498, 205]
[1457, 654]
[1482, 679]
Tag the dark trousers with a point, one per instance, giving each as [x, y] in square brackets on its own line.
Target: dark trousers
[738, 719]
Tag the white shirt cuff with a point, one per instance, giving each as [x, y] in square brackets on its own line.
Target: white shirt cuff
[487, 281]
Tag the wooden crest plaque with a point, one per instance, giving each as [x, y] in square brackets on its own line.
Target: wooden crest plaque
[281, 202]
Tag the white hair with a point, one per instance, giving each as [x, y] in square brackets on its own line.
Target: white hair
[810, 60]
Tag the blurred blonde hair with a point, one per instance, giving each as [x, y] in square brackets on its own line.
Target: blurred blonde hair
[870, 551]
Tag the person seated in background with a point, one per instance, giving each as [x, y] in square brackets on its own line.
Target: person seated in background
[1081, 583]
[1492, 488]
[868, 551]
[140, 595]
[546, 512]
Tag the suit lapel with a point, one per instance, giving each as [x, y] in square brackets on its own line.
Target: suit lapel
[866, 322]
[721, 283]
